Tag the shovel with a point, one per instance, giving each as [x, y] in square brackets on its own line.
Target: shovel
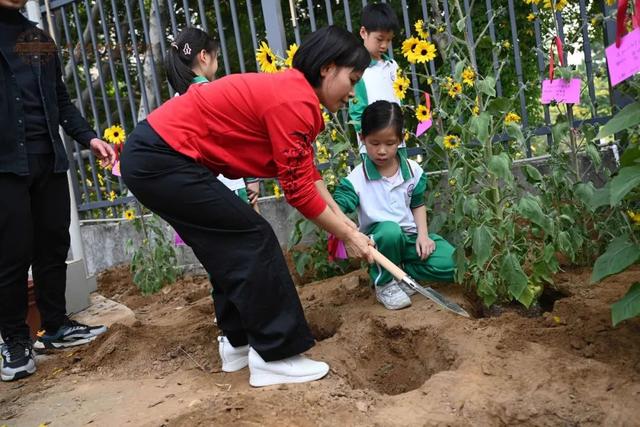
[428, 292]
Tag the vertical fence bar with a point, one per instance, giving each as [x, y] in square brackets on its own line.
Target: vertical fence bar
[124, 60]
[414, 77]
[94, 107]
[103, 91]
[312, 15]
[560, 22]
[147, 39]
[112, 70]
[139, 68]
[347, 15]
[203, 16]
[588, 62]
[447, 20]
[425, 18]
[223, 39]
[294, 21]
[237, 34]
[155, 4]
[252, 27]
[469, 33]
[187, 12]
[172, 18]
[494, 54]
[541, 70]
[275, 26]
[327, 4]
[79, 104]
[518, 64]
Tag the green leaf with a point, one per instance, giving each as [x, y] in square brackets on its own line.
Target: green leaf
[594, 155]
[628, 306]
[487, 86]
[512, 274]
[627, 179]
[626, 118]
[601, 197]
[499, 106]
[584, 192]
[515, 132]
[460, 25]
[301, 263]
[487, 289]
[500, 165]
[631, 156]
[565, 246]
[529, 207]
[460, 64]
[482, 245]
[620, 254]
[479, 126]
[532, 174]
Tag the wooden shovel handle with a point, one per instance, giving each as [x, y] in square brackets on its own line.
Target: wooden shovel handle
[387, 265]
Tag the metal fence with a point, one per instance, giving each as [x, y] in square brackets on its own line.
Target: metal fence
[112, 52]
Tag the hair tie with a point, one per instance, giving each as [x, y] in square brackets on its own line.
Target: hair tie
[174, 45]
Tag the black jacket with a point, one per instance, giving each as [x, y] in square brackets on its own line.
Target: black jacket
[58, 109]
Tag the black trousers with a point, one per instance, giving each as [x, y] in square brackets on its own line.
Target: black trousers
[34, 227]
[255, 299]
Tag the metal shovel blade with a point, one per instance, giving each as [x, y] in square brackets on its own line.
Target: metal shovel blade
[435, 296]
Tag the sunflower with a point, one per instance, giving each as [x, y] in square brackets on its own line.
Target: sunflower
[334, 135]
[531, 17]
[506, 44]
[114, 134]
[451, 142]
[511, 118]
[129, 214]
[326, 117]
[476, 107]
[559, 4]
[422, 113]
[532, 1]
[420, 29]
[322, 154]
[408, 48]
[455, 89]
[290, 52]
[112, 196]
[266, 59]
[468, 76]
[276, 191]
[424, 51]
[400, 85]
[634, 216]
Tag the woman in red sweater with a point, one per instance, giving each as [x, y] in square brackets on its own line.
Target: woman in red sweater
[258, 125]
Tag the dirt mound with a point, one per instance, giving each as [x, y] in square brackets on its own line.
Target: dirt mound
[417, 366]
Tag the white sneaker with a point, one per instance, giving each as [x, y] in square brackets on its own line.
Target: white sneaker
[392, 296]
[233, 358]
[295, 369]
[406, 289]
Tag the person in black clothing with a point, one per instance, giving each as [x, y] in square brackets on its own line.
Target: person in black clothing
[35, 213]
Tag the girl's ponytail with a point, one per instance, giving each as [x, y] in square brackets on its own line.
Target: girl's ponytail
[183, 54]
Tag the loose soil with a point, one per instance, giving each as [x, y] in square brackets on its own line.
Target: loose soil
[418, 366]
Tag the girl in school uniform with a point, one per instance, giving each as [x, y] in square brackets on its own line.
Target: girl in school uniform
[259, 125]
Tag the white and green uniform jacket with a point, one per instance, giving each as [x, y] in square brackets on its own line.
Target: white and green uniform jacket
[376, 85]
[378, 198]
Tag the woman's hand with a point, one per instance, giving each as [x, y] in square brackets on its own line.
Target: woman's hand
[358, 245]
[424, 246]
[103, 151]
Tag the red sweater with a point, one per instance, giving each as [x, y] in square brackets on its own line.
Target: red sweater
[257, 125]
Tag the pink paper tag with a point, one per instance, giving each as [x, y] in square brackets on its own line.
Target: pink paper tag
[624, 61]
[177, 240]
[116, 168]
[561, 91]
[423, 126]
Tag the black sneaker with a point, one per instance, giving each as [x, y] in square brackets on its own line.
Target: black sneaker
[70, 334]
[17, 359]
